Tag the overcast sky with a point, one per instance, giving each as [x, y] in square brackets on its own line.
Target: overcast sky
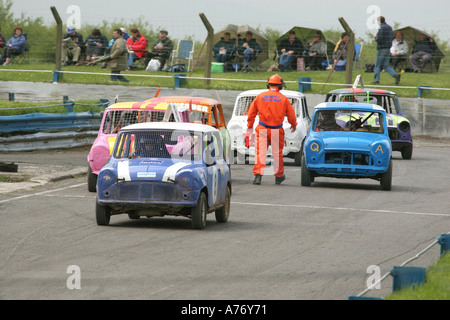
[181, 17]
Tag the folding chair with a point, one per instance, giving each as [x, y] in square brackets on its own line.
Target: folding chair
[358, 49]
[185, 51]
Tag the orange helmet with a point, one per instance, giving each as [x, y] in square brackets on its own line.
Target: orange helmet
[275, 79]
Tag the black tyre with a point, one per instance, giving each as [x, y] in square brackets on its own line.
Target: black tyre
[223, 213]
[386, 178]
[102, 214]
[199, 212]
[92, 180]
[306, 174]
[298, 158]
[407, 152]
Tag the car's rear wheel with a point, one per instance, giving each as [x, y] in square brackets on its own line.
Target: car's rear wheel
[298, 158]
[386, 178]
[92, 180]
[199, 212]
[223, 213]
[306, 174]
[102, 214]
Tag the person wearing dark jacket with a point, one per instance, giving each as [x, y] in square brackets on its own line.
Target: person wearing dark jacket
[96, 44]
[384, 39]
[2, 45]
[249, 48]
[422, 52]
[289, 48]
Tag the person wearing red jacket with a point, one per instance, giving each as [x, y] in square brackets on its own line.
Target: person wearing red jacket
[271, 106]
[137, 46]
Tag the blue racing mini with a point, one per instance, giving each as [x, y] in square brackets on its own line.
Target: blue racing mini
[348, 140]
[165, 168]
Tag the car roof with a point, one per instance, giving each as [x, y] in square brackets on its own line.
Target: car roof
[287, 93]
[161, 103]
[349, 105]
[359, 90]
[185, 126]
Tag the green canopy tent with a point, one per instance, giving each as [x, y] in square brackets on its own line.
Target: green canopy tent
[238, 32]
[410, 35]
[306, 35]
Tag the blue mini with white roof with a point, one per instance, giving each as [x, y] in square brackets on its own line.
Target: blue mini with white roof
[164, 168]
[348, 140]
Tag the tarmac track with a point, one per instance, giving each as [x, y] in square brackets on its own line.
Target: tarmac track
[281, 242]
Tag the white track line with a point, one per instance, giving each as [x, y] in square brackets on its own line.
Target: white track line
[337, 208]
[41, 193]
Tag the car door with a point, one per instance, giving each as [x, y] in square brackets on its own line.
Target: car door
[217, 168]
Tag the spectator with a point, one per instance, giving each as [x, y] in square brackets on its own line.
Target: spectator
[224, 49]
[248, 48]
[2, 45]
[117, 59]
[399, 50]
[384, 38]
[137, 47]
[317, 52]
[289, 48]
[73, 46]
[125, 34]
[125, 37]
[96, 44]
[341, 46]
[161, 49]
[15, 46]
[422, 52]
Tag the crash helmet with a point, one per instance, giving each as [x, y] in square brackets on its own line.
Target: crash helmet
[275, 81]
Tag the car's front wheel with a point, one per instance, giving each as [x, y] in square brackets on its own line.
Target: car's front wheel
[223, 213]
[102, 214]
[386, 178]
[407, 152]
[199, 212]
[306, 174]
[92, 180]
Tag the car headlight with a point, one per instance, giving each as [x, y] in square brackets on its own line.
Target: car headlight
[404, 126]
[314, 146]
[185, 180]
[106, 177]
[380, 150]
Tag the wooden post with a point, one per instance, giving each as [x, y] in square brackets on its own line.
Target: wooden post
[209, 47]
[350, 52]
[58, 37]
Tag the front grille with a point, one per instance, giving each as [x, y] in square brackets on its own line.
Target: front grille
[349, 158]
[147, 191]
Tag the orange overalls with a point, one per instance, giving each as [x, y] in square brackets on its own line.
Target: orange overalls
[272, 107]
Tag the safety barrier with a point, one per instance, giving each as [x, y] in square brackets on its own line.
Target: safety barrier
[403, 276]
[49, 130]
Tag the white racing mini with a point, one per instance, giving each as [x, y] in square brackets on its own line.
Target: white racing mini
[237, 126]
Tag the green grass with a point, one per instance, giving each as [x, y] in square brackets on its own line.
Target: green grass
[11, 108]
[436, 80]
[435, 287]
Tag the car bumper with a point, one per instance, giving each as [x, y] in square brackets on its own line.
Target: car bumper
[144, 194]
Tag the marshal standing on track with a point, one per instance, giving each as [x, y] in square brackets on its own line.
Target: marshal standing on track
[272, 106]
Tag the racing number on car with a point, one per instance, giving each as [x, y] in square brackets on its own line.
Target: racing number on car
[215, 184]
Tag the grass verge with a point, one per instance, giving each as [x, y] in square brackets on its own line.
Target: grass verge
[231, 80]
[435, 287]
